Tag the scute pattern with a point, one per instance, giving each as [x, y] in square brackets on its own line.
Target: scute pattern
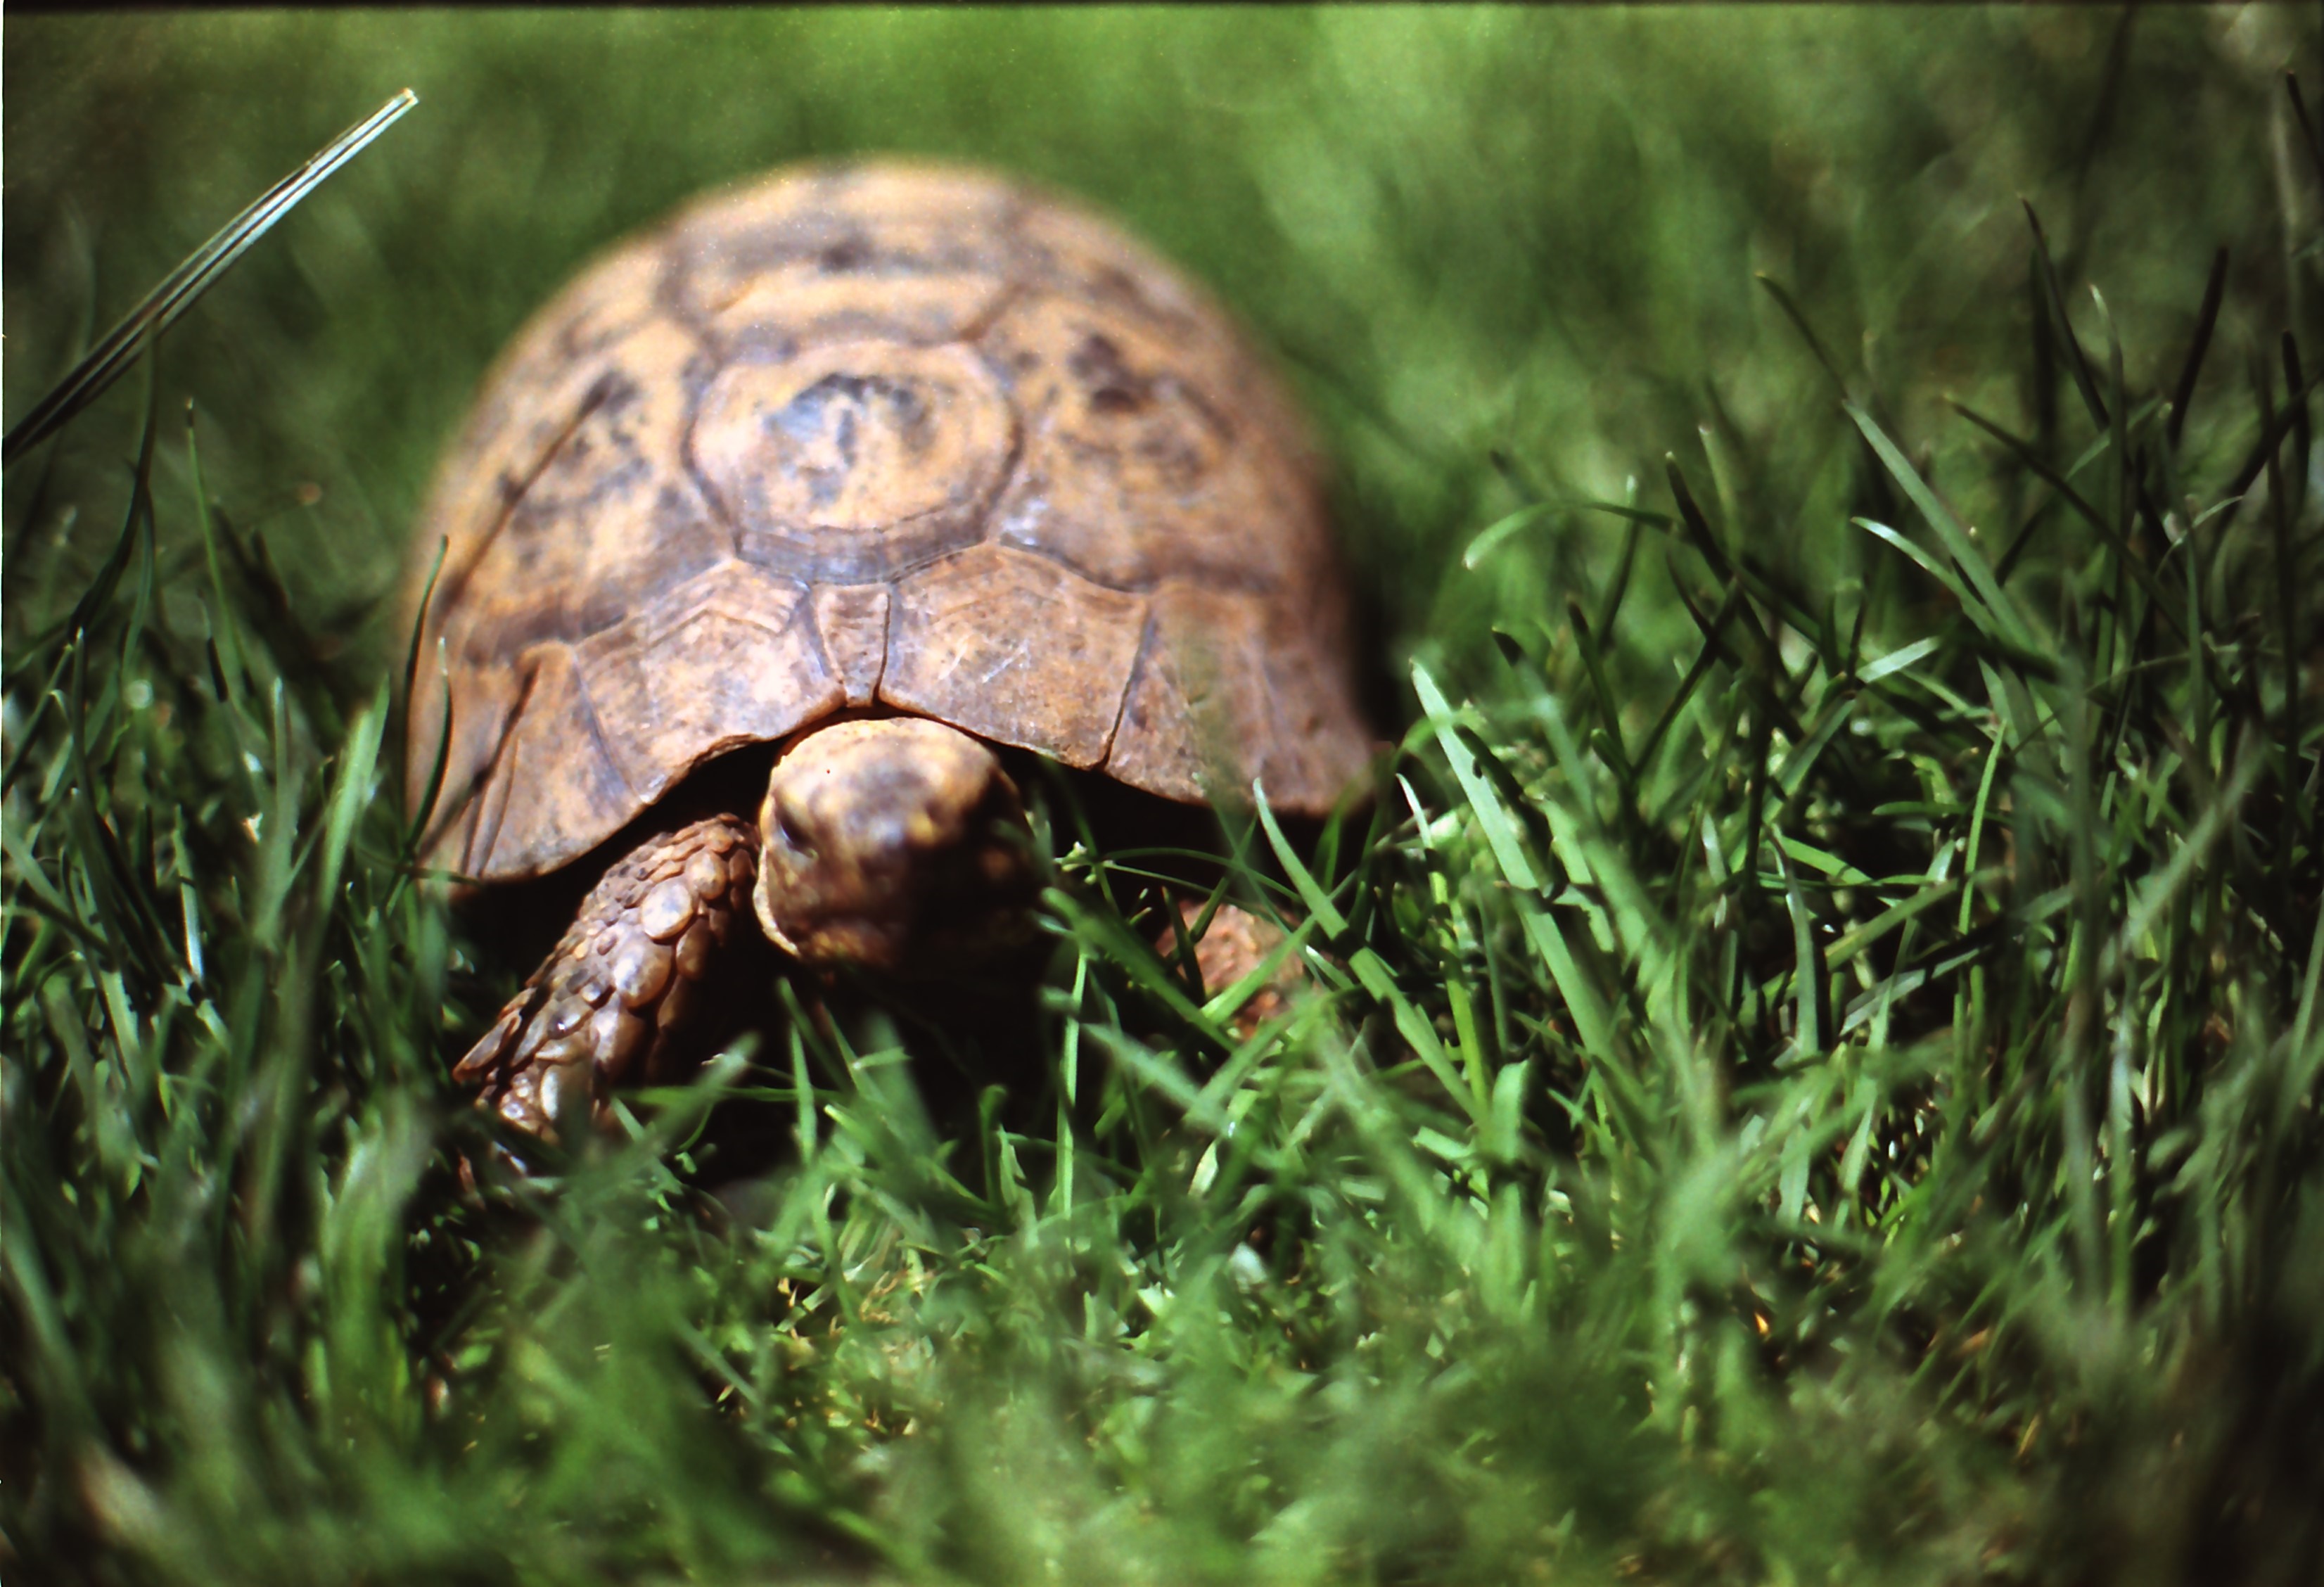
[1132, 472]
[1014, 648]
[1219, 700]
[856, 460]
[728, 659]
[912, 254]
[912, 437]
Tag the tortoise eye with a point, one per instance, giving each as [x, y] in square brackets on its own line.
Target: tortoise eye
[791, 836]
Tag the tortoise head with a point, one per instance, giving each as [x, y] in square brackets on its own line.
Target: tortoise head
[894, 844]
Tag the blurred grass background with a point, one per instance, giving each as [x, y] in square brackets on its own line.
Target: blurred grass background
[1463, 230]
[1853, 1116]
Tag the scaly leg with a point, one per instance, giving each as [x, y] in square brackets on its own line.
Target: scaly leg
[623, 983]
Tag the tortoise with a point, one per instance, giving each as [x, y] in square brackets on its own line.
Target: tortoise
[885, 464]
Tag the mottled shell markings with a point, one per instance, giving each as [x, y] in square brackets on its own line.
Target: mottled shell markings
[879, 436]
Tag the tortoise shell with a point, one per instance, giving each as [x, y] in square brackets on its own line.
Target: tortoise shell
[885, 437]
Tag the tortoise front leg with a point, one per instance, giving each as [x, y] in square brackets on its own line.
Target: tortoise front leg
[623, 983]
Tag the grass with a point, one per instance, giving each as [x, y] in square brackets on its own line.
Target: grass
[1810, 1069]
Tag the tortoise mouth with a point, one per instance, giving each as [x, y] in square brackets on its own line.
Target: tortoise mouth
[891, 843]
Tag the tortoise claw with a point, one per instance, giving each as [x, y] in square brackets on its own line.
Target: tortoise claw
[488, 1049]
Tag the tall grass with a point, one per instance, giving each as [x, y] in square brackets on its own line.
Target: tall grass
[1795, 1080]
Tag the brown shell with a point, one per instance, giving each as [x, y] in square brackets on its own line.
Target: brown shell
[885, 436]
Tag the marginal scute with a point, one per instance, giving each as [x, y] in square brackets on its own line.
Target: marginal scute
[1013, 647]
[1156, 746]
[481, 702]
[605, 520]
[727, 658]
[551, 780]
[1212, 708]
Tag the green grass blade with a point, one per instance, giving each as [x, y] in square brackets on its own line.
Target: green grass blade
[2207, 321]
[1320, 907]
[2005, 617]
[1484, 802]
[1799, 320]
[184, 286]
[2078, 363]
